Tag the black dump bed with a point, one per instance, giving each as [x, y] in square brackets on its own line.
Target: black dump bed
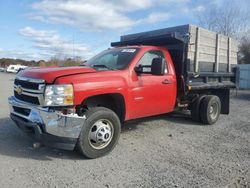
[203, 60]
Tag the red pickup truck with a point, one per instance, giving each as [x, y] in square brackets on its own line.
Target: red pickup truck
[145, 74]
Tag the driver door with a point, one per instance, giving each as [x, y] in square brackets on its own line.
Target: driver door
[151, 94]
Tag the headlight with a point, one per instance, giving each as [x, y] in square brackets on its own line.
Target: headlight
[59, 95]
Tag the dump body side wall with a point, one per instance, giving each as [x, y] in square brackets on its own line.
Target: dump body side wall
[210, 52]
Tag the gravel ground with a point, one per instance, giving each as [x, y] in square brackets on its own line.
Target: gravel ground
[163, 151]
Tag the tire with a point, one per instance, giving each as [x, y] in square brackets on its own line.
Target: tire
[100, 133]
[210, 109]
[195, 109]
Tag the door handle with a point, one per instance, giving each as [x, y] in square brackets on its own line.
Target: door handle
[167, 81]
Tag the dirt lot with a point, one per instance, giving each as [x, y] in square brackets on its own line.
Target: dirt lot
[163, 151]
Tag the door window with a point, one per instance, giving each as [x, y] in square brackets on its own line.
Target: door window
[146, 60]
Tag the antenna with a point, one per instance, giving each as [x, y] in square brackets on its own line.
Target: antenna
[73, 52]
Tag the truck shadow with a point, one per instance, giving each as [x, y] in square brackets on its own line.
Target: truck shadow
[15, 143]
[174, 117]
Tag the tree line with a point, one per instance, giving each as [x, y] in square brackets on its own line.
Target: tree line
[5, 62]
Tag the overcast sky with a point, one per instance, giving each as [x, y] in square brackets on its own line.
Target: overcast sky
[43, 29]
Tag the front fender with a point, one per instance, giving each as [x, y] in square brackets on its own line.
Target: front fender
[92, 84]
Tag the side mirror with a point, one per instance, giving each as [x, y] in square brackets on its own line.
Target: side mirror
[158, 66]
[139, 69]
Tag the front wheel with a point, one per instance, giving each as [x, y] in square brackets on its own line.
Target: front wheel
[210, 109]
[100, 132]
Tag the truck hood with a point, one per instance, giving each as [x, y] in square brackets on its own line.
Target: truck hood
[50, 74]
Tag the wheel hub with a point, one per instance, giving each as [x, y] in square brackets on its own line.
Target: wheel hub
[101, 134]
[211, 109]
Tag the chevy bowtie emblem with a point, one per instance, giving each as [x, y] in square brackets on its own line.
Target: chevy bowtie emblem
[19, 90]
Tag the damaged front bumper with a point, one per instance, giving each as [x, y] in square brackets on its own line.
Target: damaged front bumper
[50, 127]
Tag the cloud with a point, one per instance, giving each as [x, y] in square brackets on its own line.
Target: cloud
[199, 8]
[97, 14]
[173, 1]
[52, 44]
[192, 10]
[86, 15]
[156, 17]
[126, 5]
[19, 54]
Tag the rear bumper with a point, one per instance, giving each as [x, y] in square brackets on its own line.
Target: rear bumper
[52, 128]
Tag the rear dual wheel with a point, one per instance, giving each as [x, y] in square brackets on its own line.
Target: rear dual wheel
[206, 109]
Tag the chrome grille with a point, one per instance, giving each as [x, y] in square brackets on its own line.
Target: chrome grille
[29, 90]
[27, 85]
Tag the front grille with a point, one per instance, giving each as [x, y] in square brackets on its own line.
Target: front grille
[26, 84]
[29, 90]
[26, 98]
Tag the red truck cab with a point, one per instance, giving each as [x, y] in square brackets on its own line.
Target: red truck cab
[128, 87]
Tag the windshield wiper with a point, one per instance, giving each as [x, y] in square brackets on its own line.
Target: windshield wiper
[103, 66]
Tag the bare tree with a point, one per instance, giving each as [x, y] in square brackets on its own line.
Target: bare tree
[244, 54]
[229, 20]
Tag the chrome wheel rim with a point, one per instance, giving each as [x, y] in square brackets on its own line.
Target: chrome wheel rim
[101, 134]
[213, 110]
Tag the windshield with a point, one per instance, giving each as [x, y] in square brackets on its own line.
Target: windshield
[112, 59]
